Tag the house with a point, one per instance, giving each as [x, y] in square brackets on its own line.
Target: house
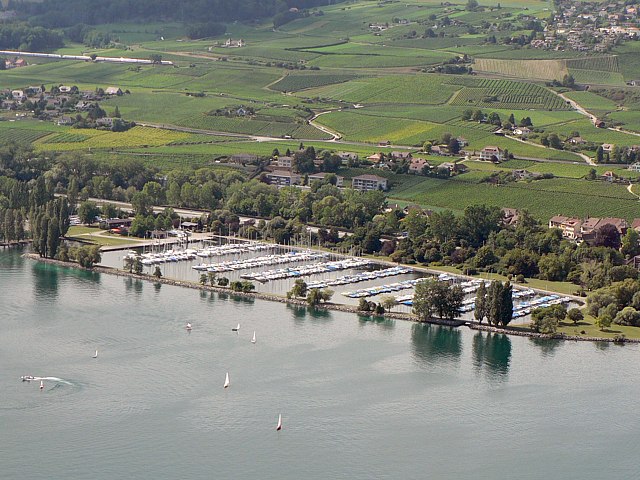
[369, 182]
[229, 43]
[591, 225]
[577, 141]
[113, 91]
[284, 162]
[439, 150]
[636, 224]
[401, 155]
[375, 158]
[65, 121]
[453, 167]
[598, 123]
[384, 143]
[33, 90]
[17, 94]
[105, 122]
[521, 174]
[322, 175]
[418, 165]
[243, 158]
[462, 142]
[607, 147]
[283, 178]
[64, 89]
[570, 226]
[510, 216]
[115, 223]
[81, 106]
[346, 156]
[522, 131]
[491, 154]
[609, 176]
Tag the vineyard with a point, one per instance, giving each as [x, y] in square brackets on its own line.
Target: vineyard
[66, 138]
[100, 139]
[20, 135]
[295, 83]
[251, 126]
[543, 198]
[607, 63]
[598, 77]
[509, 94]
[538, 69]
[416, 89]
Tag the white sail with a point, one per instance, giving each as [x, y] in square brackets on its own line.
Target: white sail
[95, 355]
[279, 426]
[226, 381]
[237, 329]
[253, 340]
[189, 326]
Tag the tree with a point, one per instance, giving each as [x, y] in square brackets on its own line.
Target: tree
[627, 316]
[480, 310]
[299, 289]
[137, 266]
[129, 262]
[607, 236]
[477, 116]
[422, 305]
[506, 313]
[575, 315]
[116, 112]
[87, 211]
[472, 5]
[157, 272]
[604, 321]
[568, 81]
[630, 243]
[155, 58]
[555, 142]
[317, 295]
[494, 119]
[453, 146]
[211, 276]
[599, 154]
[467, 114]
[388, 302]
[203, 279]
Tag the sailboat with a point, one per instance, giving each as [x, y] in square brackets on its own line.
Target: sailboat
[226, 381]
[253, 340]
[189, 327]
[95, 355]
[236, 329]
[279, 426]
[41, 384]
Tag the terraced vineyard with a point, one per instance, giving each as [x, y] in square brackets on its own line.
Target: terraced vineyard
[538, 69]
[66, 138]
[598, 77]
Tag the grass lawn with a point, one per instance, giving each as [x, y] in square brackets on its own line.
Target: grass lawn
[98, 236]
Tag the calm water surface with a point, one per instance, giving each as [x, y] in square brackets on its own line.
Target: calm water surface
[360, 399]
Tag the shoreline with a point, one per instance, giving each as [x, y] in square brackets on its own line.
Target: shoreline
[325, 306]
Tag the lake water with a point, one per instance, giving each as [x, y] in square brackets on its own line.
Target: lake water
[359, 398]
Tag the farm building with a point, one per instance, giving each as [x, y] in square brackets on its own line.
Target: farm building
[634, 167]
[369, 182]
[491, 154]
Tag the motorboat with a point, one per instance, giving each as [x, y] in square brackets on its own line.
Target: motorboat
[27, 378]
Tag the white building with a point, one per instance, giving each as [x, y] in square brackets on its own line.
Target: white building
[491, 154]
[283, 178]
[321, 176]
[369, 182]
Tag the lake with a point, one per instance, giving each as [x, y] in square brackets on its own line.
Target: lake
[360, 398]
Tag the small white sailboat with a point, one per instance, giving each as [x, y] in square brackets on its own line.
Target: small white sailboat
[236, 329]
[226, 381]
[253, 340]
[189, 327]
[279, 426]
[41, 384]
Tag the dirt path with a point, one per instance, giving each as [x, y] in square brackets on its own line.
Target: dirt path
[630, 190]
[335, 135]
[586, 158]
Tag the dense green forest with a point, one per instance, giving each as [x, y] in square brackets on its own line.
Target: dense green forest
[60, 14]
